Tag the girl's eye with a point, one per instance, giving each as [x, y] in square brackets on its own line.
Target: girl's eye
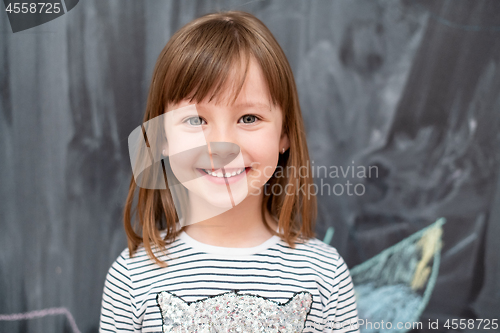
[195, 121]
[249, 119]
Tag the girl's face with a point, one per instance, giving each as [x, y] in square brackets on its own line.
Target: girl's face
[208, 135]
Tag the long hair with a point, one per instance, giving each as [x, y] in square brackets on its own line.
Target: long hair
[196, 63]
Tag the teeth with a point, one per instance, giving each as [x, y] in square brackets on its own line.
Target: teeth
[219, 174]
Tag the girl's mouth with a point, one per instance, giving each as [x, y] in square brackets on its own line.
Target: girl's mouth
[220, 176]
[219, 173]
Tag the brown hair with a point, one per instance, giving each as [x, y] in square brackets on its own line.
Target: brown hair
[195, 64]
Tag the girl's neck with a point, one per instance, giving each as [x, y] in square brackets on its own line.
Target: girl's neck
[241, 226]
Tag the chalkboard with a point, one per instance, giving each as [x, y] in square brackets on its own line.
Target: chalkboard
[409, 88]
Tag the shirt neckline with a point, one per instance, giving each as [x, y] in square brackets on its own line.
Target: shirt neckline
[228, 251]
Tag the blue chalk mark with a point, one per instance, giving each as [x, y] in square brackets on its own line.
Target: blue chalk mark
[329, 235]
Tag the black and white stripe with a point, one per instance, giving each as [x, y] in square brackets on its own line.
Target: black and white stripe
[196, 271]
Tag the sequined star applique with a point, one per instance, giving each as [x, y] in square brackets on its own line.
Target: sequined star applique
[234, 312]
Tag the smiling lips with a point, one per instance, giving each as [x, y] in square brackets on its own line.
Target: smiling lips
[220, 174]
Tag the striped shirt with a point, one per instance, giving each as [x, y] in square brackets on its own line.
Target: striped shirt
[198, 271]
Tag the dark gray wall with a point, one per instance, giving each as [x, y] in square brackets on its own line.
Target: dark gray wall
[409, 86]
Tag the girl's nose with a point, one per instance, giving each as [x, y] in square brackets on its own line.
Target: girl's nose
[221, 137]
[224, 151]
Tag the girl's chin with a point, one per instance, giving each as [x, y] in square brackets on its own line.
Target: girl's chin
[222, 205]
[220, 199]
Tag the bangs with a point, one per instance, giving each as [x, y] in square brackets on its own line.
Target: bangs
[210, 61]
[210, 57]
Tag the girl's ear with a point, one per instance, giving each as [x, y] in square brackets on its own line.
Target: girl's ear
[164, 152]
[284, 142]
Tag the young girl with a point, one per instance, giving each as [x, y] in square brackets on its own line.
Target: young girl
[254, 265]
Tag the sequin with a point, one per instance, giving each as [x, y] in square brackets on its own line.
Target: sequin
[234, 312]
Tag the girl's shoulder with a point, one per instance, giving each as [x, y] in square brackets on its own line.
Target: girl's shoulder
[140, 255]
[320, 258]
